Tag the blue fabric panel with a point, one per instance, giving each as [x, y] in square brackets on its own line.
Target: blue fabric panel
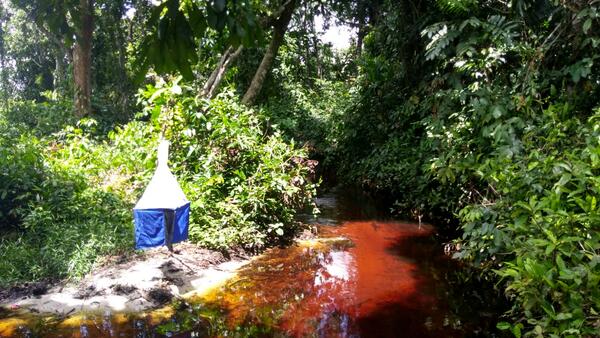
[149, 228]
[182, 220]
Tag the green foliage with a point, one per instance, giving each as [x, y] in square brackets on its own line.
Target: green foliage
[42, 118]
[309, 115]
[65, 238]
[36, 42]
[244, 184]
[176, 25]
[23, 173]
[54, 224]
[547, 220]
[25, 58]
[491, 121]
[66, 199]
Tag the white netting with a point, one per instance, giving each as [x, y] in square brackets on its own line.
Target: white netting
[163, 191]
[163, 152]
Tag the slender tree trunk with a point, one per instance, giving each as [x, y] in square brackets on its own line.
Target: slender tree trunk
[359, 41]
[211, 79]
[229, 56]
[120, 42]
[222, 70]
[3, 70]
[218, 74]
[306, 41]
[59, 76]
[82, 59]
[360, 35]
[279, 29]
[316, 54]
[123, 85]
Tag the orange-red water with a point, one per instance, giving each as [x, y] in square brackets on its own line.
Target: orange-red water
[373, 287]
[388, 279]
[385, 279]
[365, 289]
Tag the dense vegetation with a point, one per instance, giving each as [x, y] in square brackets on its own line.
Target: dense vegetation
[67, 199]
[69, 183]
[486, 114]
[482, 116]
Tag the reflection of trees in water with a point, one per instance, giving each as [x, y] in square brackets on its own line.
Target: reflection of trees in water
[469, 303]
[343, 204]
[300, 291]
[312, 292]
[335, 285]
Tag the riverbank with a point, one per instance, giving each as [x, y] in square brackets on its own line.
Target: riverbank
[132, 282]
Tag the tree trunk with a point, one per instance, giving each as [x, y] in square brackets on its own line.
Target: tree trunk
[216, 77]
[211, 79]
[221, 72]
[279, 29]
[359, 41]
[306, 41]
[59, 76]
[82, 59]
[3, 71]
[316, 54]
[360, 34]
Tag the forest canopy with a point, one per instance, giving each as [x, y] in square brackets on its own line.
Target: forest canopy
[482, 117]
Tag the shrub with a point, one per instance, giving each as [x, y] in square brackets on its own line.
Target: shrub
[55, 224]
[42, 118]
[544, 225]
[72, 194]
[23, 172]
[309, 116]
[244, 184]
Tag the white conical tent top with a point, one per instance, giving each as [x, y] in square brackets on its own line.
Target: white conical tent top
[163, 191]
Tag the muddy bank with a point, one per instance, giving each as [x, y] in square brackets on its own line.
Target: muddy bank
[131, 282]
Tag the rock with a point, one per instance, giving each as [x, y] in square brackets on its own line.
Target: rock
[120, 289]
[159, 295]
[88, 292]
[39, 289]
[174, 280]
[169, 267]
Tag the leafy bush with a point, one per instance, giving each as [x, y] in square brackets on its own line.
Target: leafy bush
[310, 115]
[42, 118]
[54, 223]
[23, 171]
[545, 224]
[68, 198]
[244, 184]
[66, 239]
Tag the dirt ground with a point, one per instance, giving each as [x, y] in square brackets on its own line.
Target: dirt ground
[131, 282]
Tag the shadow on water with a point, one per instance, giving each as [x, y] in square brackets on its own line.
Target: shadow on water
[346, 204]
[368, 277]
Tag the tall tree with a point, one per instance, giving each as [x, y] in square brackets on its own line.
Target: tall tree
[218, 74]
[361, 15]
[3, 72]
[279, 28]
[231, 54]
[178, 26]
[60, 21]
[82, 58]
